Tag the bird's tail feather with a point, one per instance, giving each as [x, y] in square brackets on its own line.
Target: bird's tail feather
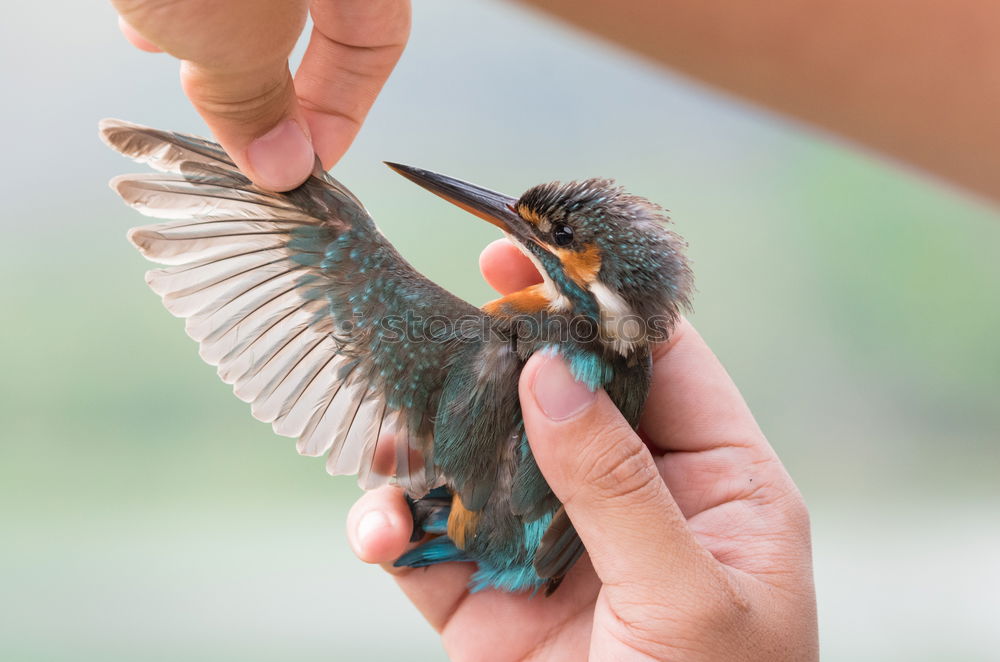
[430, 513]
[434, 551]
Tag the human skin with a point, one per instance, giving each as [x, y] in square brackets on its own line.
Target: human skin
[915, 79]
[698, 541]
[918, 80]
[234, 69]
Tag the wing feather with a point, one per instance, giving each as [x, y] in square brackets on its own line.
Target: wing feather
[167, 196]
[162, 249]
[327, 429]
[162, 150]
[357, 440]
[267, 371]
[265, 282]
[226, 345]
[560, 548]
[196, 276]
[283, 384]
[206, 316]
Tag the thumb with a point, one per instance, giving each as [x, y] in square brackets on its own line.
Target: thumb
[256, 117]
[606, 477]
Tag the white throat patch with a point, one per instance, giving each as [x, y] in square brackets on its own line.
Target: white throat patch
[621, 328]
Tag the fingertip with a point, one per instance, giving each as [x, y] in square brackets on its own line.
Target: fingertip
[506, 268]
[379, 526]
[282, 158]
[135, 38]
[268, 138]
[374, 537]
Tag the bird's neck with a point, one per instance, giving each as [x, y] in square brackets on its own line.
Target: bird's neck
[583, 298]
[606, 322]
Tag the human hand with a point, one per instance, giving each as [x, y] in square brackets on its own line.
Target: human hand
[234, 69]
[698, 541]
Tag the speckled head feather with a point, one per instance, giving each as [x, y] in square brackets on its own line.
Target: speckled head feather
[617, 245]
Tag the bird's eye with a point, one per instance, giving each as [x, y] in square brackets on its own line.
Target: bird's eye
[562, 235]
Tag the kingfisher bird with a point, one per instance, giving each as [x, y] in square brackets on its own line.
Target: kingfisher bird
[316, 320]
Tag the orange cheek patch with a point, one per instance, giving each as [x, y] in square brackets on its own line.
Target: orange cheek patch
[581, 266]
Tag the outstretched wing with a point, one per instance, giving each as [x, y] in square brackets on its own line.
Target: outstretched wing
[300, 301]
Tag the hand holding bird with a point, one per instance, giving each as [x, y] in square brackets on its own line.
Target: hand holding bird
[698, 539]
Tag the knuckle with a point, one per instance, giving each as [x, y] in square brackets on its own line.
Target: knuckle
[254, 102]
[618, 466]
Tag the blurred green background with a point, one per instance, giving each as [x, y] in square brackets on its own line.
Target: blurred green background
[146, 515]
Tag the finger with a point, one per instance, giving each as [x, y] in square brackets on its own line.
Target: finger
[234, 69]
[353, 48]
[256, 118]
[506, 268]
[694, 404]
[607, 480]
[715, 453]
[137, 39]
[379, 525]
[378, 529]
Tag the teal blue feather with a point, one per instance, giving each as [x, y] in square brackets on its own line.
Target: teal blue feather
[434, 551]
[515, 577]
[531, 496]
[590, 369]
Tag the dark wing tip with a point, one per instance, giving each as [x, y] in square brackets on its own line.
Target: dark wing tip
[559, 549]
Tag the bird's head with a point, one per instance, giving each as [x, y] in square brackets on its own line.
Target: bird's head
[603, 254]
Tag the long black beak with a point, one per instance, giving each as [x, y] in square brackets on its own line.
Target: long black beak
[493, 207]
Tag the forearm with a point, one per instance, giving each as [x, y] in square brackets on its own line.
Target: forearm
[916, 79]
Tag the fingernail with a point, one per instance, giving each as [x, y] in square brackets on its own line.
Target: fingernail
[282, 158]
[558, 394]
[370, 523]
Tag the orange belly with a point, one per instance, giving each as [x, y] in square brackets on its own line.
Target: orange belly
[462, 523]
